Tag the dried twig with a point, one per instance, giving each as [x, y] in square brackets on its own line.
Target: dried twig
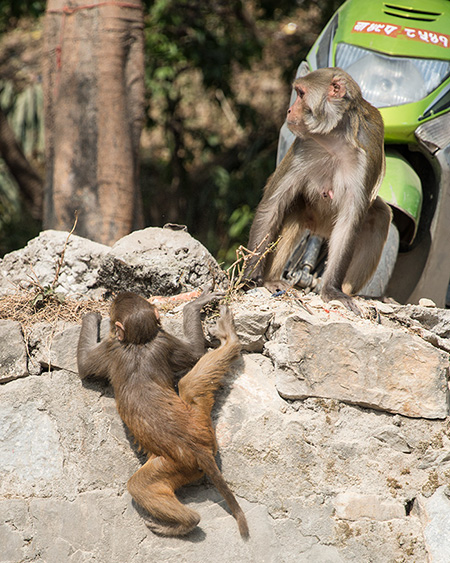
[61, 258]
[235, 272]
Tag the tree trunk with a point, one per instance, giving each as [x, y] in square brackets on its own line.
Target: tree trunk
[94, 112]
[29, 182]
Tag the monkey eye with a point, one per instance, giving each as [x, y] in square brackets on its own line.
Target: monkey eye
[300, 92]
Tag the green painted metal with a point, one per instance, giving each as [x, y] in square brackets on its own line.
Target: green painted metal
[398, 37]
[399, 41]
[401, 186]
[402, 28]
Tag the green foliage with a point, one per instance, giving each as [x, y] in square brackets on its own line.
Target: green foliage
[212, 184]
[205, 172]
[45, 295]
[9, 197]
[211, 36]
[12, 10]
[25, 114]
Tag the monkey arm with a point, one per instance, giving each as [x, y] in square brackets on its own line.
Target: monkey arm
[183, 354]
[192, 324]
[341, 247]
[280, 192]
[91, 358]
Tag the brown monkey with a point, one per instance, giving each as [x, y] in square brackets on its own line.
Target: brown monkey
[142, 362]
[327, 183]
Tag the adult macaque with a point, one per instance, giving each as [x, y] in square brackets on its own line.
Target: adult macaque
[143, 363]
[327, 183]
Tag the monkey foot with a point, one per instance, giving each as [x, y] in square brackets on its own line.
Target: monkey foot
[170, 529]
[348, 301]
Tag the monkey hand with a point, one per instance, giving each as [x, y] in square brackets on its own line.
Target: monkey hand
[206, 297]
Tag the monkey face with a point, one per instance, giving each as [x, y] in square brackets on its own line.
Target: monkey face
[322, 100]
[295, 114]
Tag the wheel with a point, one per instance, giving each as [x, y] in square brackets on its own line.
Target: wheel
[376, 287]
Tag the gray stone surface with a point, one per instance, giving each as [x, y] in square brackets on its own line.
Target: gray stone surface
[340, 476]
[54, 346]
[252, 325]
[13, 353]
[435, 515]
[158, 262]
[39, 259]
[287, 464]
[367, 365]
[356, 506]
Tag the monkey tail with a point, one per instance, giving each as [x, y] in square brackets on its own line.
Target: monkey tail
[209, 466]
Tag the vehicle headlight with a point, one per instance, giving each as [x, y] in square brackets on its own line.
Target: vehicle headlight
[390, 81]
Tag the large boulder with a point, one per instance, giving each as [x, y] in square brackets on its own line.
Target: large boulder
[153, 261]
[364, 364]
[158, 262]
[39, 261]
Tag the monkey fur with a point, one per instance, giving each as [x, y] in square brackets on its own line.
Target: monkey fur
[327, 183]
[143, 363]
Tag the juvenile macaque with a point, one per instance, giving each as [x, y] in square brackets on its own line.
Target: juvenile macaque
[327, 183]
[143, 363]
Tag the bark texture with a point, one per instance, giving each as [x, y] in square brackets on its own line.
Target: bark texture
[94, 112]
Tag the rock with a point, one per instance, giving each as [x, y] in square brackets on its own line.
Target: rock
[435, 458]
[366, 365]
[15, 530]
[259, 292]
[424, 302]
[329, 473]
[394, 439]
[434, 513]
[29, 445]
[152, 261]
[434, 320]
[13, 352]
[385, 308]
[354, 506]
[251, 325]
[55, 346]
[39, 259]
[158, 262]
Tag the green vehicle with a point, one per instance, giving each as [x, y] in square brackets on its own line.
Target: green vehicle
[399, 54]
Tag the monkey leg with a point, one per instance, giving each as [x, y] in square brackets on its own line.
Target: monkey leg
[291, 231]
[299, 219]
[197, 387]
[153, 487]
[371, 239]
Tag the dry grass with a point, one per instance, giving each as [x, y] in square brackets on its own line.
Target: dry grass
[44, 304]
[20, 306]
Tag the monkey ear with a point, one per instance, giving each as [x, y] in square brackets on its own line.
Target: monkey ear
[337, 88]
[120, 331]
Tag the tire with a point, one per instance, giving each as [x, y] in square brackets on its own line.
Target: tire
[376, 287]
